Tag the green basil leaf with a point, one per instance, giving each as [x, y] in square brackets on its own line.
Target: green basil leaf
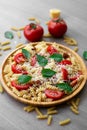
[42, 60]
[26, 53]
[64, 86]
[57, 57]
[9, 35]
[48, 73]
[24, 79]
[85, 55]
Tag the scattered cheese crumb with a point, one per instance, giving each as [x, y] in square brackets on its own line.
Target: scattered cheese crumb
[55, 13]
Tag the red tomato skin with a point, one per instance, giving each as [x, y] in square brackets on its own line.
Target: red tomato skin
[19, 86]
[73, 83]
[73, 78]
[57, 28]
[18, 70]
[33, 34]
[64, 74]
[65, 62]
[15, 69]
[54, 94]
[33, 61]
[18, 58]
[51, 50]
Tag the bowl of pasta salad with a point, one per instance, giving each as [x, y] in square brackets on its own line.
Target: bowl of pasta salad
[43, 74]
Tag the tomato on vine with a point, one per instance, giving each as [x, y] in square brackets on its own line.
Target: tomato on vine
[57, 27]
[33, 32]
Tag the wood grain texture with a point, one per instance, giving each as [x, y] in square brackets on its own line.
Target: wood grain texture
[15, 13]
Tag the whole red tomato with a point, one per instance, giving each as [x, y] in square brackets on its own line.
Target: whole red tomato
[57, 27]
[33, 32]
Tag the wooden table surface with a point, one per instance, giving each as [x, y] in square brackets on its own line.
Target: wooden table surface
[16, 13]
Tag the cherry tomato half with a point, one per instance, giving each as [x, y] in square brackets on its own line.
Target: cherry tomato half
[74, 82]
[33, 32]
[33, 61]
[51, 49]
[17, 69]
[18, 58]
[20, 86]
[65, 62]
[73, 78]
[54, 94]
[57, 27]
[64, 74]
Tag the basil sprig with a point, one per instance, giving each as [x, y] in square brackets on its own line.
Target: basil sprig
[64, 86]
[42, 60]
[85, 55]
[22, 79]
[9, 35]
[56, 57]
[26, 53]
[47, 73]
